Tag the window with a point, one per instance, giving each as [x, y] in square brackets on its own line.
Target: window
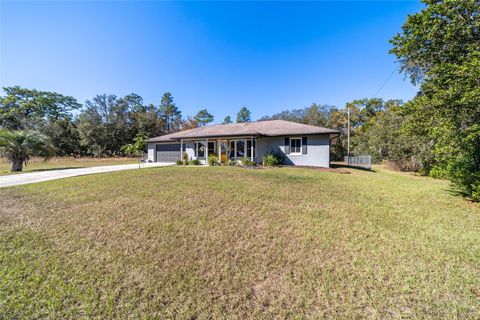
[240, 148]
[211, 148]
[296, 146]
[232, 149]
[200, 149]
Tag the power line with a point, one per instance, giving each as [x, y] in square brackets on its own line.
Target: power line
[385, 82]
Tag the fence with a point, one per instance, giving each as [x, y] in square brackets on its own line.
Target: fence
[360, 162]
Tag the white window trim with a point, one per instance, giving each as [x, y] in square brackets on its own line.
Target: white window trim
[291, 149]
[214, 147]
[245, 149]
[195, 148]
[249, 150]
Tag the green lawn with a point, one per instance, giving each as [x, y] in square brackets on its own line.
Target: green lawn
[38, 164]
[227, 242]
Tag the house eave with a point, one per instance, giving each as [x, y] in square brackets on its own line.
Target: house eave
[236, 136]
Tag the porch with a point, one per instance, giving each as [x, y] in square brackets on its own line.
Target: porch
[224, 148]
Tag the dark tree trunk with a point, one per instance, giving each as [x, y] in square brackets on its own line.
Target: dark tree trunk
[17, 165]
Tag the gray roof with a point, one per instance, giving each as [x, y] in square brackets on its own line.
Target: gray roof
[268, 128]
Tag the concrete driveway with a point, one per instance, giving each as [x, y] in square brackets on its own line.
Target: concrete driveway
[33, 177]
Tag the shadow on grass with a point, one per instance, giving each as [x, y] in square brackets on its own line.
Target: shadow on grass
[454, 191]
[344, 166]
[40, 170]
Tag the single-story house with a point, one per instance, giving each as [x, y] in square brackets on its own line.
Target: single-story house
[297, 144]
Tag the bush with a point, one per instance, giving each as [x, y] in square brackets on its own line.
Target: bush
[247, 162]
[194, 162]
[185, 158]
[179, 162]
[271, 160]
[464, 170]
[212, 160]
[231, 162]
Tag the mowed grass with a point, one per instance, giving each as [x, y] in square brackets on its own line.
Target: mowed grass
[226, 242]
[39, 164]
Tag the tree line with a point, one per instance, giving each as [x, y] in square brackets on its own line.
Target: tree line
[373, 126]
[105, 125]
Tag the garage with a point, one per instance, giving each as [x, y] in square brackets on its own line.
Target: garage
[167, 152]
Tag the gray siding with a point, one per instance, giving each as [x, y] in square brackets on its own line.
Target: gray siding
[169, 151]
[318, 150]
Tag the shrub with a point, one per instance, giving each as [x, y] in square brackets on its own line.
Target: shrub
[194, 162]
[179, 162]
[185, 158]
[212, 160]
[464, 170]
[247, 162]
[231, 162]
[271, 160]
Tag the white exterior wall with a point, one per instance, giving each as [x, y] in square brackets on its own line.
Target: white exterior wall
[318, 150]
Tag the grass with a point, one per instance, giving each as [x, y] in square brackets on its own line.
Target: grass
[227, 242]
[38, 164]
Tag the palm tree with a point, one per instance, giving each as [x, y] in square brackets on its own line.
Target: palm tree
[19, 146]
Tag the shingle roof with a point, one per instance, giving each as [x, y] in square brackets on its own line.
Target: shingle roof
[268, 128]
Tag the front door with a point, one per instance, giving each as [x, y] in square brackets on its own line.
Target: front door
[223, 151]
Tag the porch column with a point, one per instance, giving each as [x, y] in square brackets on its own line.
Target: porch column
[229, 152]
[219, 151]
[206, 151]
[181, 149]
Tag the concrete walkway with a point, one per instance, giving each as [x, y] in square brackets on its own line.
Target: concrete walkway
[33, 177]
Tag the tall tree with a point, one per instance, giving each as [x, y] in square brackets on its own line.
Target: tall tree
[316, 115]
[244, 115]
[378, 134]
[105, 125]
[148, 120]
[63, 134]
[23, 108]
[439, 48]
[445, 32]
[203, 117]
[227, 120]
[44, 111]
[170, 112]
[189, 123]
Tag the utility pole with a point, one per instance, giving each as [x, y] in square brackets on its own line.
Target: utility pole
[348, 135]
